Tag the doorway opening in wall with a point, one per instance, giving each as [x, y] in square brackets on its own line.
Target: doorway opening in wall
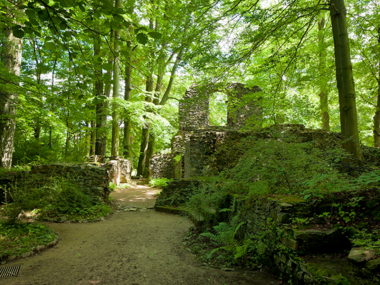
[218, 109]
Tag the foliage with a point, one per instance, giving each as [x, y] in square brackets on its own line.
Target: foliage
[225, 236]
[23, 237]
[62, 198]
[367, 239]
[282, 164]
[159, 182]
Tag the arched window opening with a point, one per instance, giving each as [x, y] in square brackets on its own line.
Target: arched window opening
[218, 109]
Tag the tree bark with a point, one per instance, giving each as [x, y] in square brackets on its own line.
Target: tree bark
[323, 95]
[116, 90]
[376, 118]
[101, 112]
[172, 77]
[93, 138]
[127, 96]
[11, 58]
[345, 81]
[145, 132]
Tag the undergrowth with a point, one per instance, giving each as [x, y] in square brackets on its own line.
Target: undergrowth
[19, 238]
[280, 165]
[61, 199]
[159, 182]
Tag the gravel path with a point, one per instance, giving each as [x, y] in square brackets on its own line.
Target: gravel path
[130, 247]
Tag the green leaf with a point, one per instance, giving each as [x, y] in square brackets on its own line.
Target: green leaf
[120, 11]
[127, 24]
[155, 35]
[67, 34]
[30, 13]
[142, 38]
[82, 8]
[50, 46]
[16, 27]
[107, 76]
[43, 15]
[119, 19]
[115, 25]
[62, 26]
[18, 33]
[125, 53]
[33, 22]
[107, 66]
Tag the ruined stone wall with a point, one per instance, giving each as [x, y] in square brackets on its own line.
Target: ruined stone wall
[119, 169]
[92, 180]
[193, 110]
[243, 107]
[210, 150]
[162, 165]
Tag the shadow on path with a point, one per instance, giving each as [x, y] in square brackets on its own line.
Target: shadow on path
[135, 248]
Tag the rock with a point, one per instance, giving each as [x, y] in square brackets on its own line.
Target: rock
[227, 269]
[290, 243]
[283, 218]
[373, 264]
[26, 254]
[359, 254]
[40, 248]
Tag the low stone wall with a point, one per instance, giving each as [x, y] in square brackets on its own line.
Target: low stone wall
[92, 180]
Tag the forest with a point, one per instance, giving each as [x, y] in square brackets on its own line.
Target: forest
[109, 78]
[106, 78]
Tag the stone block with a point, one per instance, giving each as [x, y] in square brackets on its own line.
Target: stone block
[360, 254]
[373, 264]
[283, 218]
[290, 243]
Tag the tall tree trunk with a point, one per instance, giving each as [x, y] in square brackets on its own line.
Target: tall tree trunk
[52, 94]
[149, 153]
[101, 112]
[67, 135]
[37, 119]
[172, 77]
[323, 95]
[93, 138]
[116, 90]
[127, 97]
[376, 118]
[145, 131]
[345, 81]
[88, 139]
[11, 58]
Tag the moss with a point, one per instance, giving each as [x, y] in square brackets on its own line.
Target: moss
[292, 199]
[336, 269]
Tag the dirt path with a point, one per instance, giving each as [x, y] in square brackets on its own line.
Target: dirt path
[134, 248]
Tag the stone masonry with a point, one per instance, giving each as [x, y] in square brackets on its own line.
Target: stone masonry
[185, 159]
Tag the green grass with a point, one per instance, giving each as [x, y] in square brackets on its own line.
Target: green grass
[23, 237]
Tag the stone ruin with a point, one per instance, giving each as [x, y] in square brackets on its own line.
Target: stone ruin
[199, 149]
[93, 180]
[119, 169]
[196, 139]
[93, 177]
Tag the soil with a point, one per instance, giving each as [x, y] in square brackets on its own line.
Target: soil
[130, 247]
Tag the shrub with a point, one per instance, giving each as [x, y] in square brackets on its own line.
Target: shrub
[62, 197]
[159, 182]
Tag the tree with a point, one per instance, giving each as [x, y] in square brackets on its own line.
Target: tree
[345, 80]
[11, 58]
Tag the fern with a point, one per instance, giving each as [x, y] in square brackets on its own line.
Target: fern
[225, 236]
